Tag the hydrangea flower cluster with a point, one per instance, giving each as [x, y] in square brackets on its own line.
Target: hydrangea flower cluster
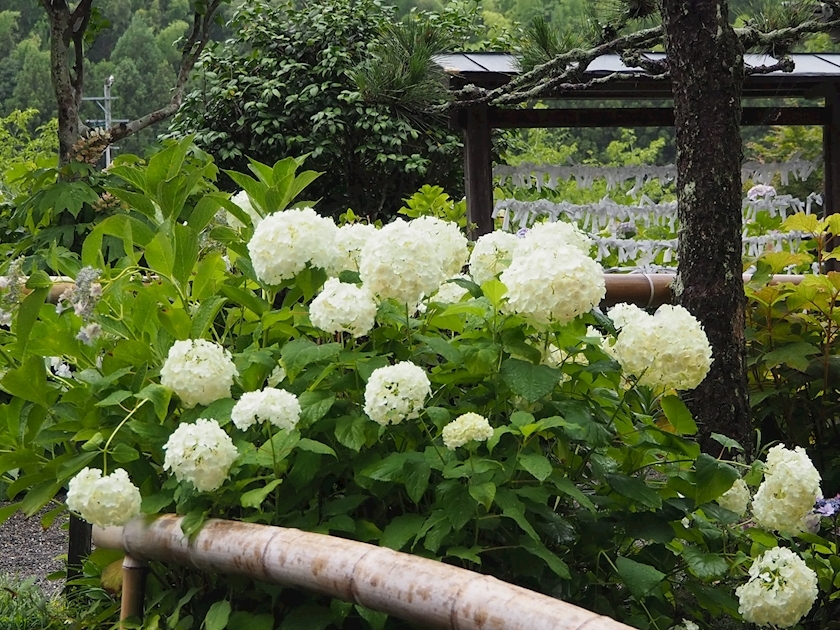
[492, 254]
[403, 263]
[790, 488]
[553, 285]
[342, 307]
[396, 392]
[451, 292]
[554, 235]
[780, 591]
[451, 244]
[350, 241]
[737, 498]
[284, 243]
[103, 501]
[198, 371]
[277, 406]
[242, 200]
[465, 428]
[668, 349]
[200, 453]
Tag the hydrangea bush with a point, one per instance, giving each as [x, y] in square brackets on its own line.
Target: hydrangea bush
[242, 373]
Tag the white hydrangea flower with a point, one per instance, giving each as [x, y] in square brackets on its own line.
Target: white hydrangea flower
[781, 589]
[342, 307]
[242, 200]
[284, 243]
[402, 263]
[451, 243]
[103, 501]
[350, 240]
[547, 287]
[686, 624]
[465, 428]
[277, 406]
[451, 292]
[555, 235]
[737, 498]
[668, 349]
[200, 453]
[790, 488]
[198, 371]
[492, 254]
[396, 392]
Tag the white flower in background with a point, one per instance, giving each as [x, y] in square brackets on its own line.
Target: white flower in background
[277, 406]
[465, 428]
[451, 292]
[557, 235]
[781, 589]
[737, 498]
[396, 392]
[60, 368]
[350, 240]
[686, 624]
[451, 243]
[492, 254]
[284, 243]
[668, 349]
[242, 200]
[200, 453]
[341, 307]
[547, 287]
[277, 376]
[198, 371]
[402, 263]
[103, 501]
[790, 488]
[5, 318]
[760, 191]
[90, 333]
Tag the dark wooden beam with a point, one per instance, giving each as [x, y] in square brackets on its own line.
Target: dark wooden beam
[478, 171]
[642, 117]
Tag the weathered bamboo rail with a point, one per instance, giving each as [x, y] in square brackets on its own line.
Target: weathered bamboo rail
[423, 591]
[643, 289]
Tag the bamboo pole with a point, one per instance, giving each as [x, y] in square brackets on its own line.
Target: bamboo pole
[429, 593]
[654, 289]
[133, 586]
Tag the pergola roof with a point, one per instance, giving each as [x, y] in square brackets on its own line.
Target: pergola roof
[811, 72]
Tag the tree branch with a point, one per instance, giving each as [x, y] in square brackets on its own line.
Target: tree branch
[192, 49]
[751, 37]
[574, 61]
[82, 10]
[785, 65]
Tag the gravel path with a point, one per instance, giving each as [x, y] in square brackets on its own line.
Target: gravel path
[27, 550]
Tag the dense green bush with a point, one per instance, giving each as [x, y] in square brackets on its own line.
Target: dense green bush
[282, 87]
[580, 482]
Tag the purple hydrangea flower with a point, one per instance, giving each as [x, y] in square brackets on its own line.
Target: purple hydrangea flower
[827, 507]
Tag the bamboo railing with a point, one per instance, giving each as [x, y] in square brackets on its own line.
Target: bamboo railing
[429, 593]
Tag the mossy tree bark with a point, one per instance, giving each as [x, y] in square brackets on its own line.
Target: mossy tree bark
[706, 64]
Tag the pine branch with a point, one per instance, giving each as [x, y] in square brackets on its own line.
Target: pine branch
[784, 65]
[752, 37]
[572, 63]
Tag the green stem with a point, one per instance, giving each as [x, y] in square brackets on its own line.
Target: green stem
[114, 433]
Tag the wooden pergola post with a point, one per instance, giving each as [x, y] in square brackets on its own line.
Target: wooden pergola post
[478, 171]
[831, 156]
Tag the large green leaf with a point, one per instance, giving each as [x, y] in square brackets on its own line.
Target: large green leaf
[401, 530]
[28, 312]
[705, 565]
[639, 578]
[218, 615]
[678, 415]
[636, 489]
[537, 465]
[254, 498]
[299, 353]
[29, 381]
[160, 253]
[530, 381]
[713, 478]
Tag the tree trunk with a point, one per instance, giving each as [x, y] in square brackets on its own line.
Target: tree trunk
[707, 69]
[67, 99]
